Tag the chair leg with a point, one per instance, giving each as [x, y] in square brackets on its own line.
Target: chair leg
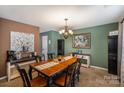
[78, 77]
[38, 74]
[73, 83]
[30, 73]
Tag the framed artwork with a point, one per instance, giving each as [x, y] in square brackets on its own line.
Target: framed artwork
[82, 40]
[21, 41]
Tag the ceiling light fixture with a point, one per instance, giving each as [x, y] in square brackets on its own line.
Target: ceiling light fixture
[66, 32]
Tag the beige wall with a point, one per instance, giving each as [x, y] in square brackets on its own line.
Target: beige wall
[6, 26]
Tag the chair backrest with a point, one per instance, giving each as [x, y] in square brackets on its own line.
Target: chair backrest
[73, 69]
[78, 67]
[37, 59]
[40, 58]
[51, 55]
[24, 76]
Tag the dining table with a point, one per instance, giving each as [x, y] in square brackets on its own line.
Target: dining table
[50, 68]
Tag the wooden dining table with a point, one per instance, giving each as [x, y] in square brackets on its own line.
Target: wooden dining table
[50, 71]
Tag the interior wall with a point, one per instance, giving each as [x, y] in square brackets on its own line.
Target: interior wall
[49, 34]
[99, 42]
[53, 36]
[6, 26]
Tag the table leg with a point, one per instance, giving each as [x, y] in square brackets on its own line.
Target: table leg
[49, 81]
[30, 73]
[8, 71]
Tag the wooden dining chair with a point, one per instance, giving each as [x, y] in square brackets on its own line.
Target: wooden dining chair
[79, 61]
[51, 56]
[40, 58]
[65, 79]
[76, 75]
[36, 82]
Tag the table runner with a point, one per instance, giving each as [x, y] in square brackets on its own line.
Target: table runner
[46, 65]
[50, 64]
[68, 57]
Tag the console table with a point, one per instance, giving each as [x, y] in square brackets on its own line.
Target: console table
[86, 58]
[11, 70]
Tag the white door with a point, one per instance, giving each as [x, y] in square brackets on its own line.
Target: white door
[45, 46]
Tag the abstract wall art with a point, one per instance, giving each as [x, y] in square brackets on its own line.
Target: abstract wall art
[22, 42]
[82, 40]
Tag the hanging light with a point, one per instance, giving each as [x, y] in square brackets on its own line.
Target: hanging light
[66, 32]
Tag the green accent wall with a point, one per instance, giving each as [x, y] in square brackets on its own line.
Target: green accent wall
[53, 36]
[99, 42]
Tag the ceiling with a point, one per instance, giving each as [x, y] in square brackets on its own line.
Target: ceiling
[52, 17]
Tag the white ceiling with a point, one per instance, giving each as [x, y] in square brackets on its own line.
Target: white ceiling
[52, 17]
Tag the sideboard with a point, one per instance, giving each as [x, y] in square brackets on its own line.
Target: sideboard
[11, 69]
[86, 59]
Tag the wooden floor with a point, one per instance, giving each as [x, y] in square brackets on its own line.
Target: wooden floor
[89, 77]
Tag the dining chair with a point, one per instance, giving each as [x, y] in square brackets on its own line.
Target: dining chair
[65, 79]
[35, 82]
[77, 72]
[40, 58]
[51, 56]
[79, 62]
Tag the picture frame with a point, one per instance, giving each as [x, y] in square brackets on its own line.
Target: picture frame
[20, 41]
[82, 40]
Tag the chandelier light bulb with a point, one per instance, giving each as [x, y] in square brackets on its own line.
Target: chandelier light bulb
[63, 31]
[70, 31]
[66, 32]
[60, 32]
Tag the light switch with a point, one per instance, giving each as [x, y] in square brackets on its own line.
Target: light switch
[49, 42]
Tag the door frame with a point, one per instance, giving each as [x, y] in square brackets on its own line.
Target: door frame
[45, 51]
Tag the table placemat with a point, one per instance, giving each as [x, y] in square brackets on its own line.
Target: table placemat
[68, 57]
[47, 65]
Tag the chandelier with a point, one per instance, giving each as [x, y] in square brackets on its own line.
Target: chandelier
[66, 32]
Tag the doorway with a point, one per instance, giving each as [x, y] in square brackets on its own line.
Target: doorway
[45, 46]
[112, 54]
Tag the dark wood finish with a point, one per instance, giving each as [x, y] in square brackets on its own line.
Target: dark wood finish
[51, 56]
[51, 71]
[112, 54]
[22, 60]
[76, 53]
[67, 78]
[54, 69]
[77, 72]
[40, 58]
[60, 46]
[36, 82]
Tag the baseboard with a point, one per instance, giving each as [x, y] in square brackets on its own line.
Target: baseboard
[4, 77]
[99, 68]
